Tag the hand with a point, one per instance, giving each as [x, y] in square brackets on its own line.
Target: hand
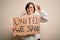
[38, 8]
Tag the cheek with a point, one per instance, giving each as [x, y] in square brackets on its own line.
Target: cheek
[27, 10]
[32, 10]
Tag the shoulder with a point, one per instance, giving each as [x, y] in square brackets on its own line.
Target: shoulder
[36, 13]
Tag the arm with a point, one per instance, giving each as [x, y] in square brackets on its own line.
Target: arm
[44, 16]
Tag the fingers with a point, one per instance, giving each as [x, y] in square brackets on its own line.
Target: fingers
[38, 7]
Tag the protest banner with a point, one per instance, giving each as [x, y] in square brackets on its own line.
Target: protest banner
[26, 25]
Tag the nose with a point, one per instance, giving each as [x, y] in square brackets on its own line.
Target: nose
[29, 9]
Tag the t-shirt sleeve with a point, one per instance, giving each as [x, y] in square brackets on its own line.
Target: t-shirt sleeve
[44, 16]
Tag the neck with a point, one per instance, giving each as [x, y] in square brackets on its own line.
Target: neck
[30, 13]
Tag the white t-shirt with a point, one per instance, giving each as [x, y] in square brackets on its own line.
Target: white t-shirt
[44, 18]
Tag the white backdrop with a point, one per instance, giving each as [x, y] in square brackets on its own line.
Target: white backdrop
[15, 8]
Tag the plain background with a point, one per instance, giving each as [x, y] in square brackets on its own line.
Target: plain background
[15, 8]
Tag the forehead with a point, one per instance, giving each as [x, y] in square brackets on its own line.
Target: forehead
[31, 5]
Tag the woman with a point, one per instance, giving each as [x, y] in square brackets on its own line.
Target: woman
[31, 10]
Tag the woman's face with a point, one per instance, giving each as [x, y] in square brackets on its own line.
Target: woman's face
[30, 10]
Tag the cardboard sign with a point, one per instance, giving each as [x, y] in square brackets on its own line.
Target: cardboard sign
[26, 25]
